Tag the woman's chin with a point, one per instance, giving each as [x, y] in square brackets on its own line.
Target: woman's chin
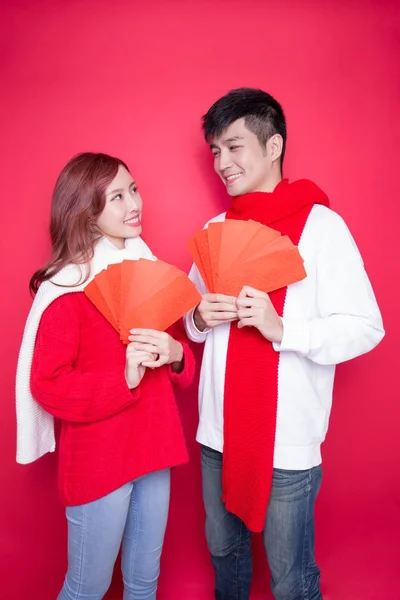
[134, 232]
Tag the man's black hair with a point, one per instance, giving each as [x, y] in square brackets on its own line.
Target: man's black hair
[263, 115]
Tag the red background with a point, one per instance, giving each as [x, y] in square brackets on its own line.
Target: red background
[133, 79]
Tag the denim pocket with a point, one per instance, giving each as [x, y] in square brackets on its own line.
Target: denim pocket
[291, 485]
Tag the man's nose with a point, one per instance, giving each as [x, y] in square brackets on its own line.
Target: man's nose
[224, 160]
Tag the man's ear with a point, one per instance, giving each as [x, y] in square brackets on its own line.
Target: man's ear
[275, 146]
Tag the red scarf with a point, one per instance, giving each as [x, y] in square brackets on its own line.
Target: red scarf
[251, 379]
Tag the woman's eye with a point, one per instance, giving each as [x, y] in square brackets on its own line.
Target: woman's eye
[117, 197]
[134, 189]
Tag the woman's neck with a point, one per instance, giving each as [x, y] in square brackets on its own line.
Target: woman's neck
[119, 243]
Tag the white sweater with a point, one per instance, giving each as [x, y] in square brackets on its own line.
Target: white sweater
[328, 318]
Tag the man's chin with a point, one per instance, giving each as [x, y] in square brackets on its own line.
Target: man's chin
[237, 191]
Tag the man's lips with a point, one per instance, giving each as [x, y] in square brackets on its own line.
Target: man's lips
[232, 178]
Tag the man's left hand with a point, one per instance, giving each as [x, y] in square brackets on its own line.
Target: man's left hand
[255, 309]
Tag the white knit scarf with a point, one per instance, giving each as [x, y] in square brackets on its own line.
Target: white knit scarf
[35, 427]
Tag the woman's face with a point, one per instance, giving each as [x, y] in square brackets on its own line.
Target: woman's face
[122, 213]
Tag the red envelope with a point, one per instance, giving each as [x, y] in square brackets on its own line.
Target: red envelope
[234, 253]
[142, 294]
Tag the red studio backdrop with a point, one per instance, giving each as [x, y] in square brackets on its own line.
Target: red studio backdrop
[133, 78]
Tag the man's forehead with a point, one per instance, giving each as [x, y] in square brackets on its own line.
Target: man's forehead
[225, 140]
[235, 131]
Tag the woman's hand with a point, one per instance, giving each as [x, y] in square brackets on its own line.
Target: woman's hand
[134, 366]
[167, 350]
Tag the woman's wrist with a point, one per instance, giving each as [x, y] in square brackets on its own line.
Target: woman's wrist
[177, 355]
[177, 361]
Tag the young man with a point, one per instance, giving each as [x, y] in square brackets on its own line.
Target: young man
[269, 360]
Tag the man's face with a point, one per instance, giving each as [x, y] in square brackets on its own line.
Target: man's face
[240, 161]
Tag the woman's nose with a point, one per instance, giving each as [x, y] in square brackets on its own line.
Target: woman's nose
[132, 204]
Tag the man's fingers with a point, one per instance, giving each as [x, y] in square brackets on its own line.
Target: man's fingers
[246, 322]
[251, 292]
[222, 316]
[245, 313]
[222, 307]
[219, 298]
[215, 322]
[247, 302]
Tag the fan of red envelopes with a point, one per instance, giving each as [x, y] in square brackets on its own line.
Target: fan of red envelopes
[142, 294]
[231, 254]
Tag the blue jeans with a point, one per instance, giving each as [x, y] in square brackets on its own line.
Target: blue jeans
[135, 516]
[288, 535]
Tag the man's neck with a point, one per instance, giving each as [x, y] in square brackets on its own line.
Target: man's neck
[270, 183]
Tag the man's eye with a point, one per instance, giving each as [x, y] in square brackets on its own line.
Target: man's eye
[233, 148]
[216, 153]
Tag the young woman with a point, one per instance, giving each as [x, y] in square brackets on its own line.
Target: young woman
[121, 431]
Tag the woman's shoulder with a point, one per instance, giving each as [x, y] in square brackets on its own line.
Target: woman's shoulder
[67, 298]
[65, 308]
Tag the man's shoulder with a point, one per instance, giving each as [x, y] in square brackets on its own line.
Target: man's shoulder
[217, 219]
[327, 230]
[322, 217]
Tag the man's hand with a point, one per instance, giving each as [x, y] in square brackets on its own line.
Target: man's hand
[255, 309]
[215, 309]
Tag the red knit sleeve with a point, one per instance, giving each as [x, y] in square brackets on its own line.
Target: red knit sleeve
[185, 377]
[62, 389]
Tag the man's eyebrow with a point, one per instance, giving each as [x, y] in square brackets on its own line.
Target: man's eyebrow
[228, 141]
[233, 139]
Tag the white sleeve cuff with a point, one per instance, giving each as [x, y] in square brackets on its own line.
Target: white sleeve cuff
[192, 332]
[296, 337]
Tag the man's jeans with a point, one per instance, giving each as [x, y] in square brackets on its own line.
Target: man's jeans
[288, 535]
[135, 515]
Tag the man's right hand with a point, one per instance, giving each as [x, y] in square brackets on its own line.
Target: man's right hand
[213, 310]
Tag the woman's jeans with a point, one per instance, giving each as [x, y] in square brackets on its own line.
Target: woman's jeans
[288, 535]
[134, 516]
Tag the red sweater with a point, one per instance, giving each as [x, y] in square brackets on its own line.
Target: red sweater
[110, 435]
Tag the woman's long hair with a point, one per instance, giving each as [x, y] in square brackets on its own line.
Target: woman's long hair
[77, 202]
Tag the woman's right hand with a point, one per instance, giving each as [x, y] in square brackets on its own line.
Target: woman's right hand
[134, 370]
